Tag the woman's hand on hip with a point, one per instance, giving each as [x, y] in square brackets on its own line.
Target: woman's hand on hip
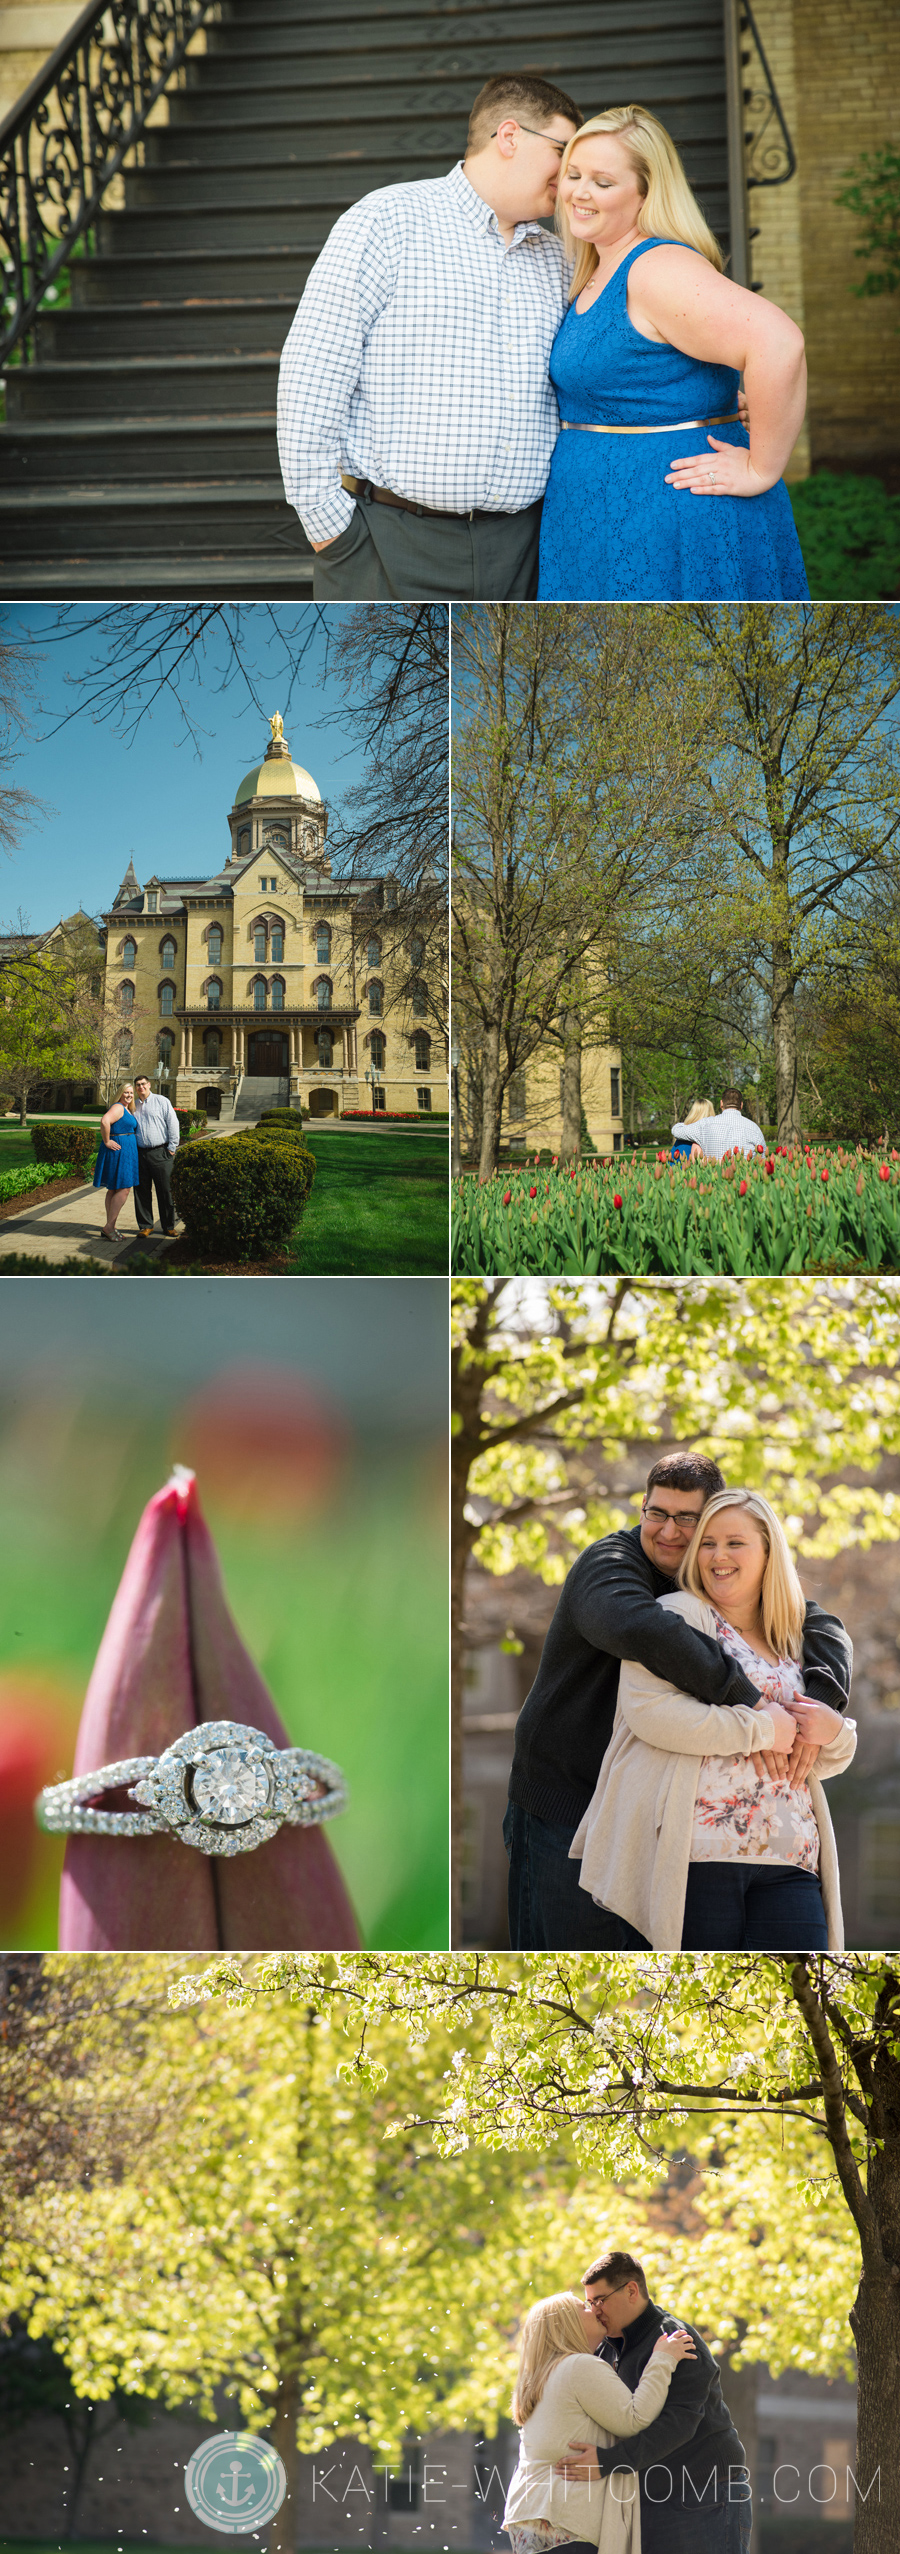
[725, 471]
[673, 2346]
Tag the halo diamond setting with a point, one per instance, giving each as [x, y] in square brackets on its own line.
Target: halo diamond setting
[222, 1787]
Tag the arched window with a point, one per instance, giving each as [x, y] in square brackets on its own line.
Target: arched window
[375, 1000]
[125, 1046]
[211, 1045]
[166, 998]
[167, 953]
[277, 993]
[214, 994]
[326, 1046]
[419, 999]
[126, 997]
[165, 1044]
[423, 1051]
[323, 943]
[259, 940]
[376, 1048]
[277, 949]
[323, 993]
[417, 951]
[259, 995]
[215, 944]
[129, 953]
[373, 954]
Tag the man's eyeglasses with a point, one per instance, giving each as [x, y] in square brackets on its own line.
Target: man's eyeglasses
[549, 138]
[685, 1525]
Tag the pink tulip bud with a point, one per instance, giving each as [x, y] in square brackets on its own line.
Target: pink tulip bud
[170, 1658]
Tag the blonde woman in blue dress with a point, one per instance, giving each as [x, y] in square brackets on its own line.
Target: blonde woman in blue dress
[563, 2393]
[117, 1168]
[657, 491]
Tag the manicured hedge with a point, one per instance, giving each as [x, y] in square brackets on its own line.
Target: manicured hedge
[240, 1198]
[65, 1141]
[290, 1146]
[397, 1117]
[282, 1117]
[18, 1263]
[18, 1183]
[191, 1122]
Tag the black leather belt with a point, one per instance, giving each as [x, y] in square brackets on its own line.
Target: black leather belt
[407, 505]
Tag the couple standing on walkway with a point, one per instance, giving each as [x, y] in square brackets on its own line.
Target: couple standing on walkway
[626, 2445]
[451, 360]
[667, 1782]
[139, 1137]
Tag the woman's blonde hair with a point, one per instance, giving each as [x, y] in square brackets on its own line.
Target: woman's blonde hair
[125, 1086]
[701, 1108]
[553, 2329]
[782, 1602]
[669, 210]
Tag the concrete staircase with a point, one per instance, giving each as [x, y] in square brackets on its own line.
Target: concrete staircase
[139, 453]
[257, 1094]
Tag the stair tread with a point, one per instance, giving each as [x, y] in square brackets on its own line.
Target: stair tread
[47, 500]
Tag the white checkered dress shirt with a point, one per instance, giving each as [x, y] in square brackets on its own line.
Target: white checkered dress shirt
[419, 356]
[727, 1133]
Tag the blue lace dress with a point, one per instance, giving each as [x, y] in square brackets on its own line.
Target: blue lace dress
[611, 529]
[121, 1169]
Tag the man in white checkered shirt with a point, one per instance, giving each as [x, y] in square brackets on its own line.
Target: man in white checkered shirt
[729, 1132]
[416, 416]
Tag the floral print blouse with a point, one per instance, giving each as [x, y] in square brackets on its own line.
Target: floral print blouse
[740, 1813]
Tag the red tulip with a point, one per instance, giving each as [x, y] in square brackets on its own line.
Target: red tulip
[883, 1172]
[532, 1192]
[506, 1196]
[825, 1177]
[617, 1201]
[742, 1189]
[171, 1658]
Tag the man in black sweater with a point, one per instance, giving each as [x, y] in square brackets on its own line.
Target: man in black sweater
[693, 2481]
[608, 1611]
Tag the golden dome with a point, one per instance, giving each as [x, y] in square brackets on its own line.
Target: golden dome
[278, 776]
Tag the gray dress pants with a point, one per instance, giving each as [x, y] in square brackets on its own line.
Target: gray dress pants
[389, 556]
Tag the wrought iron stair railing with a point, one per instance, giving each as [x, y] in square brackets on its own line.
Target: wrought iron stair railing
[71, 133]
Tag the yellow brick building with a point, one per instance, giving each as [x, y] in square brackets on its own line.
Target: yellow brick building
[533, 1115]
[274, 980]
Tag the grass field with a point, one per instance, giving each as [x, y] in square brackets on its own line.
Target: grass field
[379, 1207]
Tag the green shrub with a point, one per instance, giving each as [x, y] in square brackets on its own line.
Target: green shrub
[18, 1183]
[241, 1199]
[6, 1103]
[291, 1147]
[18, 1263]
[64, 1140]
[282, 1117]
[849, 533]
[191, 1122]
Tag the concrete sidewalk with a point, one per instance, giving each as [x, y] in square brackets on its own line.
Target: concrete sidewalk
[68, 1227]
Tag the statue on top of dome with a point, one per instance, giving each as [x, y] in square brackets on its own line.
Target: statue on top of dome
[277, 727]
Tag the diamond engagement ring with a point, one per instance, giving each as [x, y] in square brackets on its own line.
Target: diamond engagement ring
[222, 1787]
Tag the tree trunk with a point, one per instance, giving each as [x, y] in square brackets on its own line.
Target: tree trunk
[784, 1031]
[462, 1536]
[491, 1106]
[283, 2435]
[570, 1144]
[875, 2321]
[80, 2434]
[23, 1106]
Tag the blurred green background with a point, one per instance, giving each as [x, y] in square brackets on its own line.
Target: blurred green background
[314, 1414]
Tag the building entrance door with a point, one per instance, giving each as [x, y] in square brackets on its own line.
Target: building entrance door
[267, 1052]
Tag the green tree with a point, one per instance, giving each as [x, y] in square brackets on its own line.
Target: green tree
[803, 787]
[785, 1386]
[784, 2073]
[50, 1009]
[288, 2236]
[575, 763]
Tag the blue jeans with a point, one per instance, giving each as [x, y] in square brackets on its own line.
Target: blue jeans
[748, 1906]
[547, 1909]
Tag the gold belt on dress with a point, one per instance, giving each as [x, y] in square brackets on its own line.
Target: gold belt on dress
[568, 426]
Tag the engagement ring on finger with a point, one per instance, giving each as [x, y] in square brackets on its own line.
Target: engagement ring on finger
[223, 1787]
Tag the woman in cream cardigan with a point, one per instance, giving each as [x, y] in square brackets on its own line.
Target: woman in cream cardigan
[699, 1836]
[563, 2393]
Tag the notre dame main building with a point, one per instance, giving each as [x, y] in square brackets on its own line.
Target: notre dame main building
[274, 980]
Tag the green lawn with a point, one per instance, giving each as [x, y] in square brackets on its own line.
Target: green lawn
[379, 1206]
[16, 1149]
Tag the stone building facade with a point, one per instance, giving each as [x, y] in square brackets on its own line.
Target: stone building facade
[273, 979]
[835, 69]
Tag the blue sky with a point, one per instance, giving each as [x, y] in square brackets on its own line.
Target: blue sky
[161, 799]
